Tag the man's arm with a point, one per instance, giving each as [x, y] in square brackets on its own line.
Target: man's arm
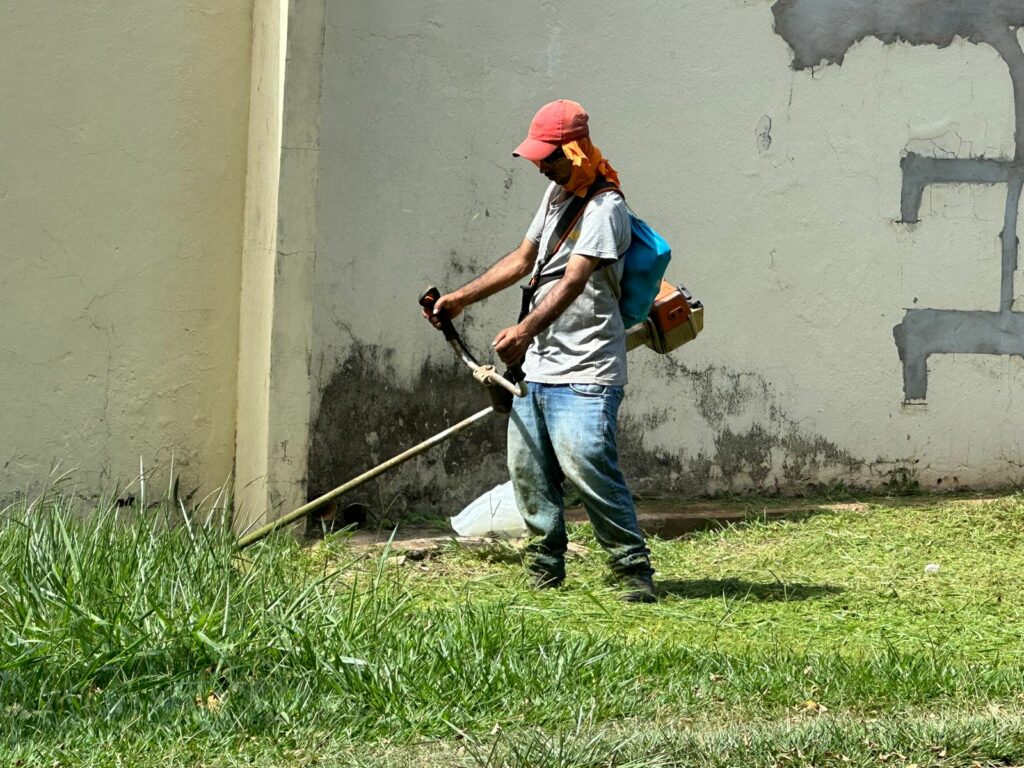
[512, 342]
[507, 271]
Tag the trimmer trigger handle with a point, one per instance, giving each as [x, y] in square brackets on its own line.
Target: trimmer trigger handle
[427, 300]
[428, 297]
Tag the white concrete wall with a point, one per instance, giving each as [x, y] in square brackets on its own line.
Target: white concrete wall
[377, 149]
[122, 171]
[793, 246]
[266, 108]
[274, 382]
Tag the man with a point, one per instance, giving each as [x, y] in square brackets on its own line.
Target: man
[573, 347]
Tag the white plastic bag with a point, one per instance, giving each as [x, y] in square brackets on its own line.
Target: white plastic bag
[493, 514]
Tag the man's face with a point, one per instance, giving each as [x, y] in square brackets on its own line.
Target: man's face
[557, 167]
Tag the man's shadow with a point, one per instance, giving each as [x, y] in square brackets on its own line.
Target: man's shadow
[769, 591]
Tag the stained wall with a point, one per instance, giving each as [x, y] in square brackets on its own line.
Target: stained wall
[218, 217]
[782, 182]
[123, 132]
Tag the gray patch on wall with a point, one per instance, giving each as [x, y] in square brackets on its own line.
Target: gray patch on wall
[365, 419]
[773, 454]
[823, 31]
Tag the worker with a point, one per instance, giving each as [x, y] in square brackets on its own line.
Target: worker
[571, 343]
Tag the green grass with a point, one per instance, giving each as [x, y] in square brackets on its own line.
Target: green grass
[131, 637]
[851, 580]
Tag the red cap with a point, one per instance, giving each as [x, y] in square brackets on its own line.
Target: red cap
[555, 124]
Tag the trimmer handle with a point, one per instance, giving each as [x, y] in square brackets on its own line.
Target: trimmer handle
[500, 389]
[427, 301]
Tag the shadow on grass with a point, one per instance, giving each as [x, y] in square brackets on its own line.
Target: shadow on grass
[771, 591]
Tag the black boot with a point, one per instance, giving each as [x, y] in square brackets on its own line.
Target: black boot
[543, 578]
[639, 588]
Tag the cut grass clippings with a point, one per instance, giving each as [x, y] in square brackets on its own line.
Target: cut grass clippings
[815, 642]
[853, 580]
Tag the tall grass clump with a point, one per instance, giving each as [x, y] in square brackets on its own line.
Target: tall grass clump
[137, 617]
[131, 614]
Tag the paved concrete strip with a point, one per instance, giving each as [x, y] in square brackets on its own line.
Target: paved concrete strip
[665, 518]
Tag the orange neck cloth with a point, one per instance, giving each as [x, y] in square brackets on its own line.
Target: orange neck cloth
[587, 162]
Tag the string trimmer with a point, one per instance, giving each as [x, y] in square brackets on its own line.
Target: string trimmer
[675, 319]
[500, 389]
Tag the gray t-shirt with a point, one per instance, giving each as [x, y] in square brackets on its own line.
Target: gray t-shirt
[587, 343]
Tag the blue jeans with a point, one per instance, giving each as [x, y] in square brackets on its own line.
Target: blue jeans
[567, 432]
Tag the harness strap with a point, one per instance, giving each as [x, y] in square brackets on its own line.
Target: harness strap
[570, 218]
[566, 224]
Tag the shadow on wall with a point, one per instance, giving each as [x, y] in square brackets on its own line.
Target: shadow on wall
[822, 31]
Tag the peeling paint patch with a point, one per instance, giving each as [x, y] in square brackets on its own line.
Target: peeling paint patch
[763, 132]
[825, 30]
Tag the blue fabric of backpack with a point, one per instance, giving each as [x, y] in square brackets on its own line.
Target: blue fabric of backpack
[644, 265]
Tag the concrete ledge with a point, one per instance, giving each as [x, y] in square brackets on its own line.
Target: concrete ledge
[664, 518]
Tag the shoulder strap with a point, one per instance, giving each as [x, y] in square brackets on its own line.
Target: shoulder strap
[569, 218]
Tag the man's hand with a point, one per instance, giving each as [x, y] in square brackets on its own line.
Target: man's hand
[511, 344]
[451, 303]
